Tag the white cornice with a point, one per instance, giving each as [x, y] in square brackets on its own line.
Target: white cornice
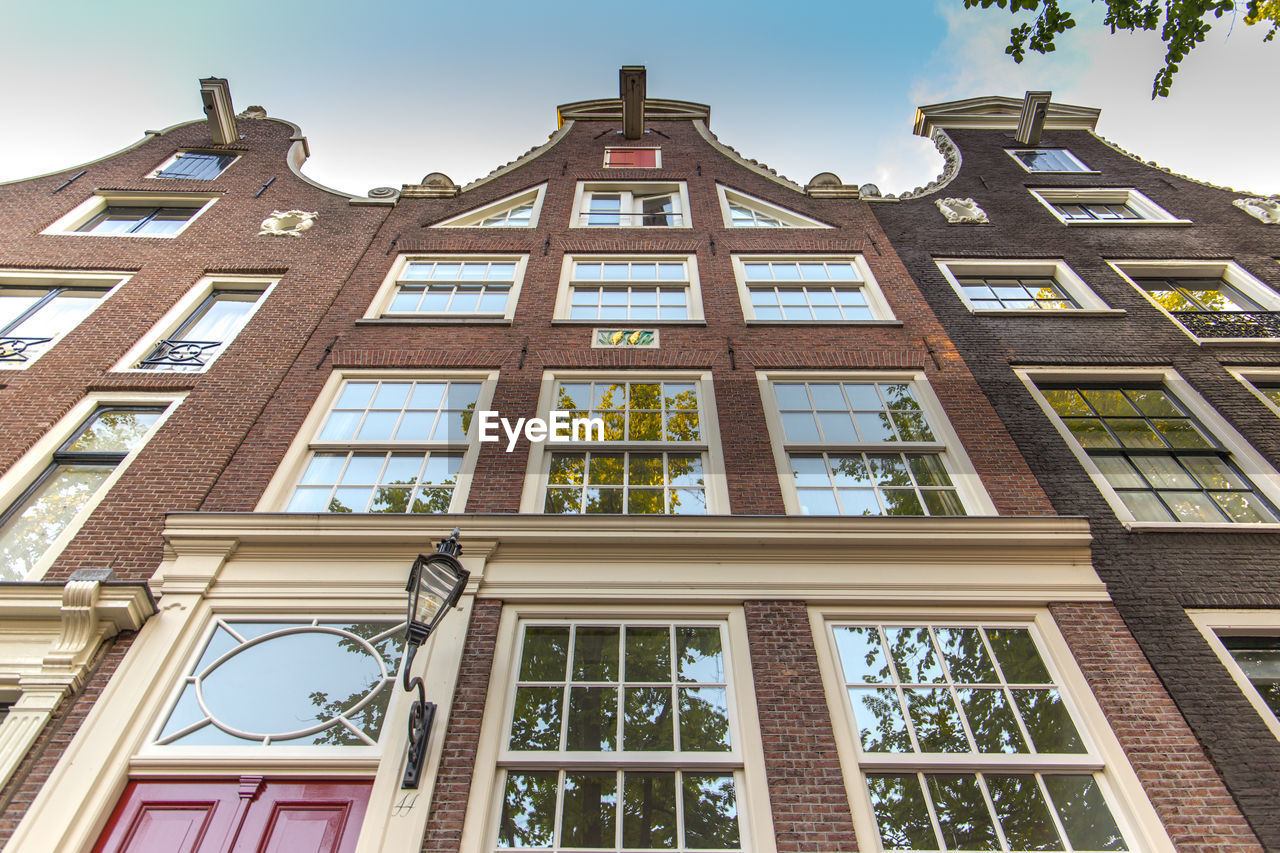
[995, 112]
[124, 606]
[610, 109]
[744, 539]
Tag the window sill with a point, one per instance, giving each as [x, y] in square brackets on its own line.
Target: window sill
[1179, 527]
[634, 227]
[633, 324]
[1236, 342]
[824, 322]
[1073, 312]
[123, 236]
[1122, 223]
[433, 321]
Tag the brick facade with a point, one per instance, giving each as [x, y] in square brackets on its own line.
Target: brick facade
[224, 444]
[806, 788]
[1153, 576]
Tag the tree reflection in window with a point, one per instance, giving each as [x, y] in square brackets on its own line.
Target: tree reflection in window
[269, 683]
[983, 694]
[636, 710]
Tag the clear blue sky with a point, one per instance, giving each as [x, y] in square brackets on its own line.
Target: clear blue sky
[389, 91]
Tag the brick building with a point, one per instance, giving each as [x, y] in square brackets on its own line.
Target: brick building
[1106, 305]
[799, 592]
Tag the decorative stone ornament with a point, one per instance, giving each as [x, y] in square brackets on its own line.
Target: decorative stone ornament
[288, 223]
[1262, 209]
[962, 211]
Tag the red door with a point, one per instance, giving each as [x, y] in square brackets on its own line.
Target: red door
[245, 815]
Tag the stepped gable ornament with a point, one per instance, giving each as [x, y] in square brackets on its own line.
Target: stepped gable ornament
[1262, 209]
[288, 223]
[962, 211]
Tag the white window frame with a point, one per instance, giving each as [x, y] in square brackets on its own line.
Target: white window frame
[28, 469]
[1215, 624]
[109, 283]
[378, 308]
[1250, 462]
[67, 224]
[363, 755]
[693, 289]
[484, 804]
[276, 497]
[182, 310]
[948, 448]
[1149, 212]
[679, 189]
[657, 164]
[173, 158]
[1228, 271]
[538, 470]
[790, 218]
[1091, 305]
[882, 313]
[473, 218]
[1014, 152]
[1251, 376]
[1132, 810]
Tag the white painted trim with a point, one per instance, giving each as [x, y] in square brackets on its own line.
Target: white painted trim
[102, 199]
[693, 288]
[881, 311]
[111, 282]
[1121, 787]
[1249, 376]
[1083, 170]
[480, 825]
[973, 495]
[72, 808]
[1090, 303]
[279, 491]
[473, 218]
[387, 290]
[33, 463]
[173, 158]
[1213, 624]
[1251, 463]
[181, 310]
[1229, 271]
[1151, 213]
[789, 217]
[578, 217]
[538, 467]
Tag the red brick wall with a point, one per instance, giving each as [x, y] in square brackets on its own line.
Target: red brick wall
[1195, 806]
[806, 787]
[457, 764]
[179, 465]
[918, 343]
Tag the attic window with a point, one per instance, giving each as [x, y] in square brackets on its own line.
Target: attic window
[633, 158]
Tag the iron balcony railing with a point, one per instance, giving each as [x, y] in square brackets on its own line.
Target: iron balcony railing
[180, 353]
[13, 349]
[1231, 324]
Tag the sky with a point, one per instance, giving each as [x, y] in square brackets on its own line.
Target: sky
[388, 91]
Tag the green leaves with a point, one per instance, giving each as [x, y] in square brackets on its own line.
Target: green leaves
[1183, 25]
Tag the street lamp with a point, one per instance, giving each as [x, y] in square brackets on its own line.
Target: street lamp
[435, 584]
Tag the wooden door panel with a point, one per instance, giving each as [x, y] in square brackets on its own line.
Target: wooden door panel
[244, 815]
[305, 817]
[169, 817]
[298, 828]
